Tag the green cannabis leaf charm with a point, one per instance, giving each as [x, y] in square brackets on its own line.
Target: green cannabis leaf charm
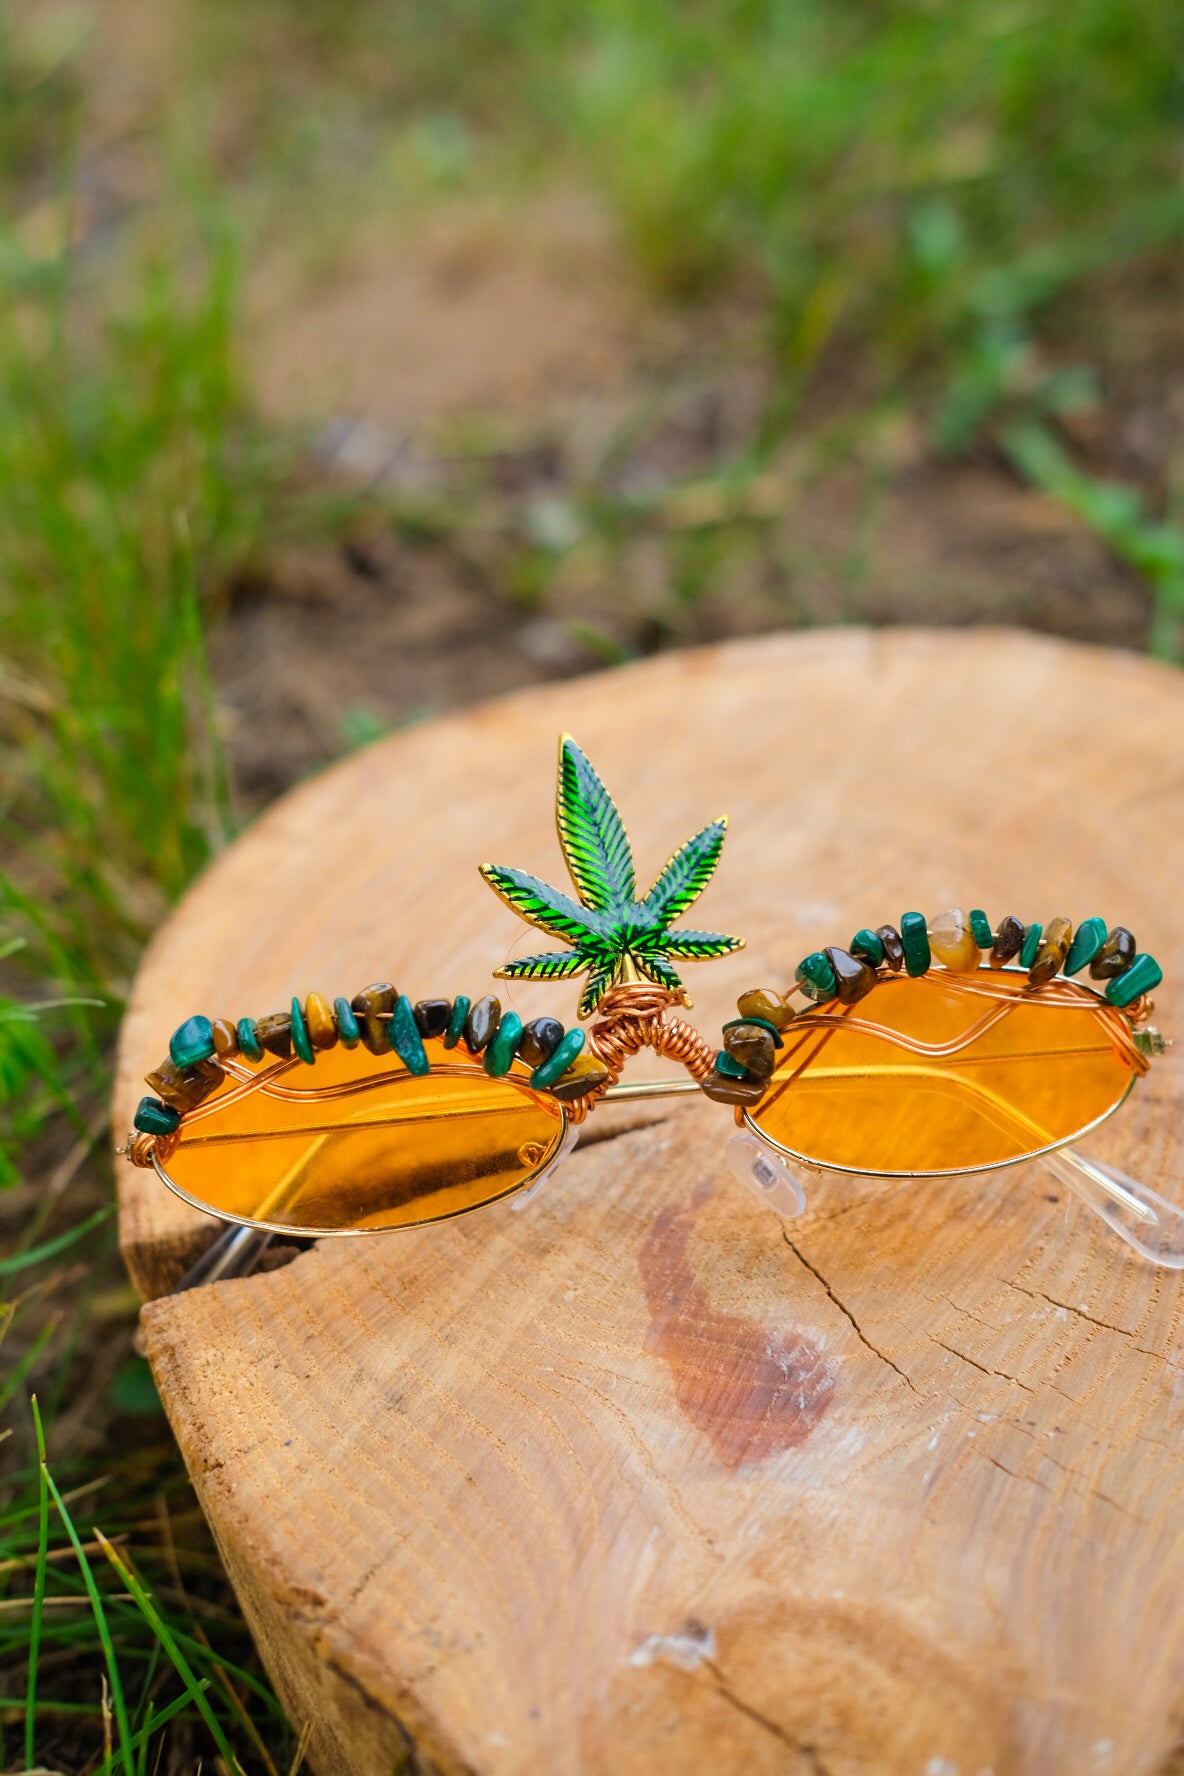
[612, 935]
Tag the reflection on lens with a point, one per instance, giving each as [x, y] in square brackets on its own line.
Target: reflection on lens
[946, 1073]
[357, 1142]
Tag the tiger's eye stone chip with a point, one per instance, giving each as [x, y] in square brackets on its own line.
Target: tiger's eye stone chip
[185, 1087]
[953, 943]
[320, 1021]
[584, 1074]
[762, 1002]
[914, 935]
[1087, 941]
[225, 1036]
[816, 977]
[347, 1023]
[753, 1047]
[1115, 955]
[889, 936]
[1050, 957]
[380, 996]
[722, 1090]
[431, 1016]
[539, 1040]
[275, 1033]
[300, 1041]
[481, 1023]
[191, 1041]
[457, 1020]
[869, 945]
[1009, 940]
[853, 978]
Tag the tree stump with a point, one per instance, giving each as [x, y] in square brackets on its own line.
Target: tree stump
[644, 1479]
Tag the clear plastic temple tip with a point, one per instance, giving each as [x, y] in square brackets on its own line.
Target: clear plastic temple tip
[1140, 1216]
[766, 1175]
[524, 1197]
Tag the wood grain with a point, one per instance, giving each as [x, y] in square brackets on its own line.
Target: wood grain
[644, 1479]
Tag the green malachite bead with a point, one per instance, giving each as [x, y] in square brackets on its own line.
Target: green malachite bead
[248, 1040]
[1143, 975]
[557, 1064]
[914, 935]
[763, 1023]
[347, 1024]
[499, 1054]
[191, 1042]
[431, 1017]
[300, 1041]
[729, 1066]
[816, 977]
[1087, 941]
[154, 1118]
[980, 928]
[869, 945]
[1032, 936]
[405, 1039]
[456, 1023]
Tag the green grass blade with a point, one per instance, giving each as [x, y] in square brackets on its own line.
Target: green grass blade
[180, 1664]
[51, 1248]
[38, 1591]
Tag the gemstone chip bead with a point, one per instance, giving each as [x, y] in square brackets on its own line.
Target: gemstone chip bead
[225, 1037]
[762, 1002]
[405, 1038]
[319, 1021]
[369, 1005]
[1143, 976]
[953, 942]
[1009, 940]
[191, 1041]
[457, 1021]
[889, 936]
[980, 928]
[723, 1090]
[869, 945]
[1115, 955]
[816, 977]
[299, 1032]
[502, 1045]
[914, 935]
[154, 1118]
[248, 1039]
[275, 1033]
[539, 1040]
[753, 1047]
[431, 1016]
[854, 978]
[481, 1023]
[185, 1087]
[347, 1023]
[1050, 957]
[584, 1074]
[558, 1061]
[1087, 941]
[1031, 943]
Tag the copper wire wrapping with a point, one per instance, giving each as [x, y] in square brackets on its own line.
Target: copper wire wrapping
[636, 1016]
[142, 1149]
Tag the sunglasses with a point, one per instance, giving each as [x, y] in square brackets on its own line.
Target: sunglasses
[927, 1049]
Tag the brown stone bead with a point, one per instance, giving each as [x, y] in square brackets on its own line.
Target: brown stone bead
[586, 1072]
[275, 1033]
[762, 1002]
[225, 1036]
[380, 996]
[1115, 955]
[853, 978]
[889, 936]
[431, 1016]
[185, 1087]
[319, 1021]
[482, 1021]
[732, 1091]
[1050, 956]
[1009, 941]
[539, 1040]
[753, 1047]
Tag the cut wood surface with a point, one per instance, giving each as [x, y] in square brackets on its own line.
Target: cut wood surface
[644, 1479]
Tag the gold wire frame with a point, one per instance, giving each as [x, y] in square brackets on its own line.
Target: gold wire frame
[266, 1082]
[1061, 992]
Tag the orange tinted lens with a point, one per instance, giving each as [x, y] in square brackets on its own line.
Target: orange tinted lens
[357, 1142]
[946, 1073]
